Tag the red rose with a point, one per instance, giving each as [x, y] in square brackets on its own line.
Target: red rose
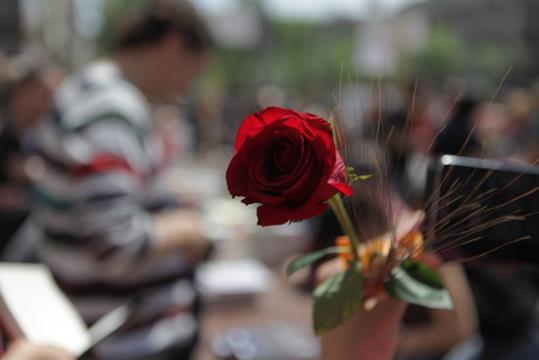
[287, 162]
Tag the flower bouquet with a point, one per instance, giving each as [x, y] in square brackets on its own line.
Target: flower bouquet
[288, 162]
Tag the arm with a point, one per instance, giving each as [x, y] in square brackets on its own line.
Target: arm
[369, 335]
[122, 232]
[108, 207]
[180, 230]
[447, 328]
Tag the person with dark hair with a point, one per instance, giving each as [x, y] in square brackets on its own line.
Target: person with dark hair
[458, 137]
[505, 297]
[25, 100]
[151, 20]
[107, 235]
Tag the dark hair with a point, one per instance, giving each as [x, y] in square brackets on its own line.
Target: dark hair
[20, 70]
[152, 19]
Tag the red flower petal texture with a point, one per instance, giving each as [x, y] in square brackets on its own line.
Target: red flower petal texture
[287, 162]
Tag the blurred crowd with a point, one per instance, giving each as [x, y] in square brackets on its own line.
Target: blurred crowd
[82, 161]
[397, 137]
[82, 154]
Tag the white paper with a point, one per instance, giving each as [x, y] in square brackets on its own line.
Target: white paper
[41, 310]
[234, 277]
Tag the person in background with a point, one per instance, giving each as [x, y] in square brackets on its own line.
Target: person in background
[413, 332]
[25, 99]
[429, 334]
[457, 136]
[109, 231]
[505, 296]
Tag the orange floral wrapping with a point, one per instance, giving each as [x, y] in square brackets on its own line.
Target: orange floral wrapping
[378, 256]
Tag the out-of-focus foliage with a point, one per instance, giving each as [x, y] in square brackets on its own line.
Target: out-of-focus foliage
[442, 56]
[304, 56]
[445, 54]
[492, 61]
[113, 10]
[307, 56]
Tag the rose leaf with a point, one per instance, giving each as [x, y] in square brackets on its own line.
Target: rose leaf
[353, 177]
[423, 273]
[337, 299]
[418, 290]
[308, 259]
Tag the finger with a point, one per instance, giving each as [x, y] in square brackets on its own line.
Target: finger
[51, 353]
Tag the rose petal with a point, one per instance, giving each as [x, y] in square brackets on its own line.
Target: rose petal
[257, 122]
[236, 176]
[338, 178]
[249, 128]
[316, 122]
[285, 157]
[286, 161]
[273, 113]
[343, 188]
[304, 187]
[264, 172]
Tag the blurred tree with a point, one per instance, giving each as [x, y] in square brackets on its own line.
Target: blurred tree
[493, 60]
[306, 57]
[442, 56]
[310, 56]
[113, 10]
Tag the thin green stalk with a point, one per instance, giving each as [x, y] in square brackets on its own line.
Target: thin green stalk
[337, 205]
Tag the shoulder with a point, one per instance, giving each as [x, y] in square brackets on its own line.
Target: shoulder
[99, 94]
[97, 112]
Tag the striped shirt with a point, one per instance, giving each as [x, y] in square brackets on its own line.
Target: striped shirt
[103, 160]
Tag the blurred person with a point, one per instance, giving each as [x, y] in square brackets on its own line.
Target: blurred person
[395, 135]
[369, 334]
[506, 301]
[431, 334]
[457, 136]
[25, 98]
[110, 231]
[519, 105]
[505, 297]
[530, 143]
[425, 333]
[377, 333]
[421, 333]
[420, 129]
[399, 142]
[530, 147]
[493, 126]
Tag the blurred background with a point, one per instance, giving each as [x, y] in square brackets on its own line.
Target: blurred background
[306, 54]
[419, 65]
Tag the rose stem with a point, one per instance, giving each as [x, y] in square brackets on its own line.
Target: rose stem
[337, 205]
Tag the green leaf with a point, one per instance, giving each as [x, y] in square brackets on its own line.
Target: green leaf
[353, 177]
[337, 299]
[404, 286]
[423, 273]
[306, 260]
[333, 124]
